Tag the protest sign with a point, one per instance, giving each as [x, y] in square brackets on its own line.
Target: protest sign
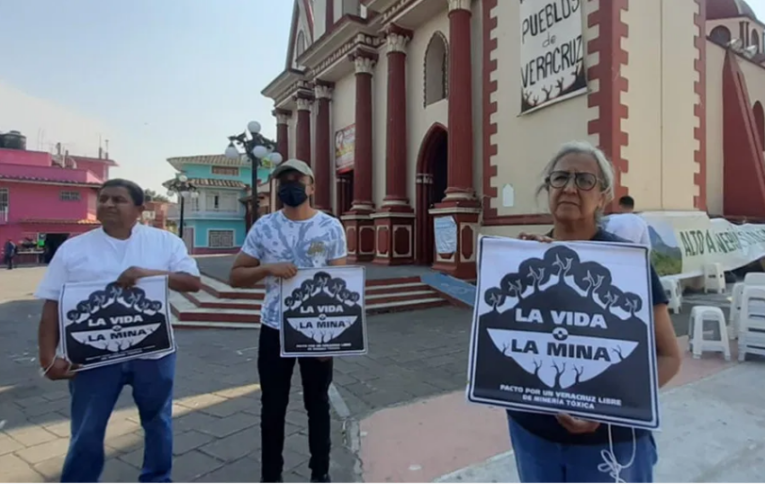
[102, 323]
[552, 52]
[565, 328]
[323, 313]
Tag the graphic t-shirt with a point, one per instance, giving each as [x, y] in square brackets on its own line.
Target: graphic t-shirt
[306, 244]
[547, 426]
[96, 256]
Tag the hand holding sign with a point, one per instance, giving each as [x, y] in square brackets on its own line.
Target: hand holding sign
[284, 270]
[577, 425]
[535, 237]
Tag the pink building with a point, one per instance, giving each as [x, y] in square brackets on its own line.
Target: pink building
[47, 195]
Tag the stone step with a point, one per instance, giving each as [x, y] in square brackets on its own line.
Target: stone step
[205, 300]
[221, 290]
[186, 311]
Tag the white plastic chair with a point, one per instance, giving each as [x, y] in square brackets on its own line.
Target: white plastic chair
[754, 279]
[714, 278]
[734, 319]
[674, 293]
[697, 343]
[751, 338]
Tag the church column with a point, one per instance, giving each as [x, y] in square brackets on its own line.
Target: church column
[283, 132]
[394, 223]
[303, 133]
[322, 165]
[359, 226]
[282, 147]
[456, 218]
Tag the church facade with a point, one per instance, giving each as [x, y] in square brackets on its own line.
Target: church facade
[428, 122]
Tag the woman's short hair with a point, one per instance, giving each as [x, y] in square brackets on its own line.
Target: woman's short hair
[585, 148]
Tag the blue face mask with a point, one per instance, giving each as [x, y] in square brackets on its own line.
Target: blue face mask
[292, 194]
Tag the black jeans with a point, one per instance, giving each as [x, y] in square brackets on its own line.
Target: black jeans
[275, 380]
[9, 262]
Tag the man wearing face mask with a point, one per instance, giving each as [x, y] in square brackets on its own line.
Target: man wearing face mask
[295, 237]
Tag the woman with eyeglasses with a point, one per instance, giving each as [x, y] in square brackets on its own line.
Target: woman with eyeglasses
[563, 449]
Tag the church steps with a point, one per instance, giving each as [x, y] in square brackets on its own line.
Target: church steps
[218, 305]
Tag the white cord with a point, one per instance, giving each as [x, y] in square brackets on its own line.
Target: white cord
[611, 465]
[44, 372]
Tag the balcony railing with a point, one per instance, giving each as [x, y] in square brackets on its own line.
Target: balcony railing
[174, 213]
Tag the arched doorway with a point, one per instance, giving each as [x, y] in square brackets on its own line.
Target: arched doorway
[759, 121]
[432, 167]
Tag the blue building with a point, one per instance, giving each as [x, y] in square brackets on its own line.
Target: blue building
[215, 221]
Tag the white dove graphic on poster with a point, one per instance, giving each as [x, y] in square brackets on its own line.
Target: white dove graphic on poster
[117, 339]
[561, 364]
[322, 329]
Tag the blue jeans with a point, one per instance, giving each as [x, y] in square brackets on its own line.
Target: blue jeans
[94, 394]
[542, 461]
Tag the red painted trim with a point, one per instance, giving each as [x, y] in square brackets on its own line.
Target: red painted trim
[611, 110]
[700, 110]
[490, 44]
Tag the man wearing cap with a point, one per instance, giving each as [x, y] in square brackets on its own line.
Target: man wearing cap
[297, 236]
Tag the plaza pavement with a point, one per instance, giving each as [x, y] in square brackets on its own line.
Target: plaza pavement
[399, 413]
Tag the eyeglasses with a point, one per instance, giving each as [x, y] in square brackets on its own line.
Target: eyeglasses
[584, 181]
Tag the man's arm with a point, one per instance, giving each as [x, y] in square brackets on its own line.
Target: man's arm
[48, 334]
[182, 273]
[247, 270]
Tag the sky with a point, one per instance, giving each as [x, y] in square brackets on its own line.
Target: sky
[156, 78]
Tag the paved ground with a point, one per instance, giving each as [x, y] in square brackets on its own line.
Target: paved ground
[712, 433]
[414, 357]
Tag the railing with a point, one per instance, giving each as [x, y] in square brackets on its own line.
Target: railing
[174, 213]
[4, 216]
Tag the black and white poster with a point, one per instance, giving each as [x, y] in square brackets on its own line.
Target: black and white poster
[103, 324]
[323, 313]
[552, 52]
[565, 328]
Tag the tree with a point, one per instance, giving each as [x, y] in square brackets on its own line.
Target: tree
[631, 303]
[559, 371]
[512, 285]
[534, 272]
[495, 298]
[151, 195]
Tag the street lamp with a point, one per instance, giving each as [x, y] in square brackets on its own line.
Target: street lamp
[257, 148]
[181, 186]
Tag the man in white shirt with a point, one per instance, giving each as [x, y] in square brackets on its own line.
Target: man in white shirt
[124, 251]
[627, 225]
[297, 236]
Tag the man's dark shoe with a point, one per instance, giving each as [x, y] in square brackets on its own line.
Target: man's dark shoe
[277, 480]
[321, 479]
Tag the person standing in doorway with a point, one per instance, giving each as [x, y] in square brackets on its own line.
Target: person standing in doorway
[297, 236]
[9, 253]
[122, 251]
[628, 225]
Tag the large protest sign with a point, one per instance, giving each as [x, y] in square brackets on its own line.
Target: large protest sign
[323, 313]
[565, 328]
[102, 323]
[684, 242]
[552, 52]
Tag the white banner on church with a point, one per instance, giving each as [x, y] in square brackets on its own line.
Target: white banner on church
[552, 52]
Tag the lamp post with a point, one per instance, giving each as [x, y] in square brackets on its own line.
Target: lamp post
[181, 186]
[257, 148]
